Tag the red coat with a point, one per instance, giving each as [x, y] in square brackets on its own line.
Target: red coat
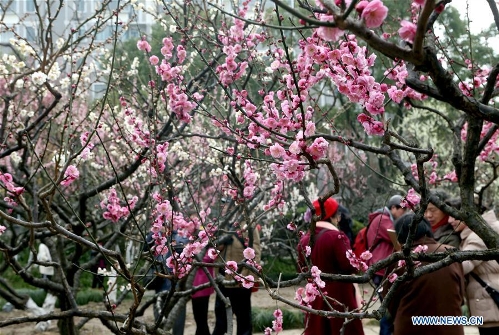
[329, 255]
[378, 237]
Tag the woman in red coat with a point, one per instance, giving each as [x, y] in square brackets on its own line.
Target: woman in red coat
[329, 255]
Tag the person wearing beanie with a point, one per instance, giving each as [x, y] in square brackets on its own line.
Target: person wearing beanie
[380, 244]
[327, 251]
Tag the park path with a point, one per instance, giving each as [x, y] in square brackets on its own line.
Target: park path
[263, 300]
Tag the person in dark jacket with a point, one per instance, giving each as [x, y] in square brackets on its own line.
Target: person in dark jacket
[346, 223]
[438, 293]
[439, 221]
[162, 284]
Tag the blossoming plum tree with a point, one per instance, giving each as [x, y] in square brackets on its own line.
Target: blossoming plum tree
[240, 111]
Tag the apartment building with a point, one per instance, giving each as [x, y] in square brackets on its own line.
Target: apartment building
[28, 18]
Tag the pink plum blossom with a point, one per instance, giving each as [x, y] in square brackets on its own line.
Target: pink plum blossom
[163, 207]
[114, 211]
[407, 31]
[411, 200]
[330, 34]
[277, 151]
[143, 45]
[360, 6]
[84, 138]
[154, 60]
[356, 262]
[433, 178]
[318, 148]
[308, 251]
[277, 323]
[371, 126]
[249, 253]
[421, 249]
[395, 94]
[316, 275]
[306, 295]
[392, 277]
[366, 255]
[70, 175]
[374, 14]
[452, 176]
[248, 281]
[2, 229]
[231, 267]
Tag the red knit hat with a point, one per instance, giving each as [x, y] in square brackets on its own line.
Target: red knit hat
[330, 206]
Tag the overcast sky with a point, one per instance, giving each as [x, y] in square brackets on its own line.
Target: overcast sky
[479, 13]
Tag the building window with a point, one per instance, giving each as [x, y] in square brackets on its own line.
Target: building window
[30, 6]
[113, 5]
[30, 34]
[8, 6]
[104, 33]
[80, 6]
[5, 36]
[133, 32]
[98, 90]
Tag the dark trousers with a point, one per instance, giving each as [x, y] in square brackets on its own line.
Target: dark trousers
[179, 322]
[200, 311]
[240, 300]
[488, 331]
[385, 324]
[97, 281]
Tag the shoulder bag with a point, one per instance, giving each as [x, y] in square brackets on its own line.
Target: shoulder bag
[494, 294]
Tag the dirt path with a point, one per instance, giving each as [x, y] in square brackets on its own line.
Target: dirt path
[259, 299]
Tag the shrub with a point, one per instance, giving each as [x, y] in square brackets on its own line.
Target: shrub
[82, 298]
[37, 295]
[357, 225]
[273, 267]
[263, 317]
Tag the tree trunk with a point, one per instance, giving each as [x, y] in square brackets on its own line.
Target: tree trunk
[67, 325]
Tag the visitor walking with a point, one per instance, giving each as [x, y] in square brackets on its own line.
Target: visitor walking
[437, 293]
[240, 297]
[328, 253]
[479, 301]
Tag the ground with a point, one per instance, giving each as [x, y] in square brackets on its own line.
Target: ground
[259, 299]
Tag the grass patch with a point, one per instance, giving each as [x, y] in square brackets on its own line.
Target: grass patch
[263, 317]
[273, 267]
[82, 297]
[90, 295]
[37, 295]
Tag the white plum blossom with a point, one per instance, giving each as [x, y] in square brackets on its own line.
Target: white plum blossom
[38, 78]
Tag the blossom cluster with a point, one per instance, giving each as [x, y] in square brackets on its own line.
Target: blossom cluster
[306, 295]
[359, 262]
[276, 323]
[7, 182]
[114, 211]
[411, 200]
[231, 269]
[70, 175]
